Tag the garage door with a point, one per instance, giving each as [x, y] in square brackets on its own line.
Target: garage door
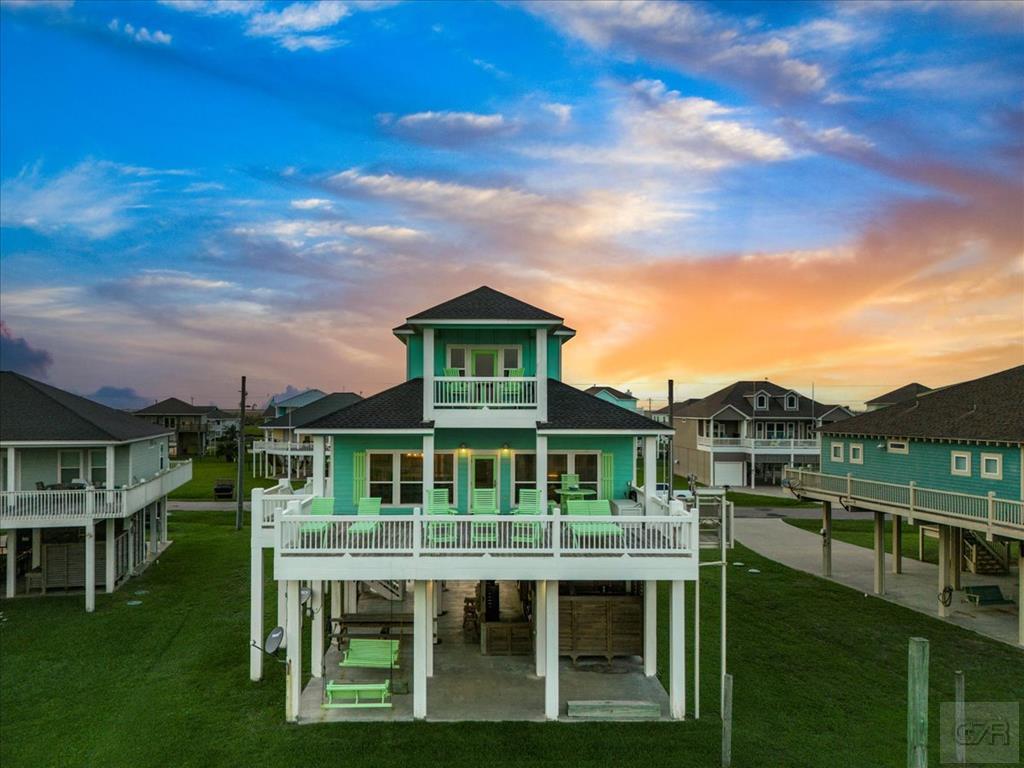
[728, 473]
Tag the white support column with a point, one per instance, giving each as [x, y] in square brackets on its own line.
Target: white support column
[12, 560]
[551, 701]
[650, 628]
[319, 466]
[428, 467]
[132, 542]
[109, 557]
[540, 612]
[255, 607]
[90, 567]
[542, 374]
[336, 599]
[431, 631]
[420, 645]
[677, 650]
[111, 468]
[153, 547]
[282, 609]
[37, 546]
[897, 544]
[316, 633]
[293, 667]
[879, 541]
[164, 519]
[10, 483]
[351, 597]
[542, 470]
[650, 474]
[428, 374]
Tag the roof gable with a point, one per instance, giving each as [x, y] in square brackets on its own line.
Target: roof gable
[33, 411]
[325, 406]
[899, 395]
[172, 406]
[571, 408]
[617, 393]
[485, 303]
[302, 398]
[400, 407]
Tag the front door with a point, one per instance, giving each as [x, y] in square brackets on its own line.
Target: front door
[485, 472]
[485, 362]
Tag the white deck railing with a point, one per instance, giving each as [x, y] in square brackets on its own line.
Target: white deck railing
[281, 446]
[983, 509]
[760, 443]
[57, 505]
[485, 392]
[417, 535]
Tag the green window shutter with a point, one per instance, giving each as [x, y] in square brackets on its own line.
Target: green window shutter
[607, 475]
[358, 475]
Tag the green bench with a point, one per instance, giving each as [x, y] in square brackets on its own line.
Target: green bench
[357, 695]
[369, 653]
[986, 594]
[319, 506]
[596, 531]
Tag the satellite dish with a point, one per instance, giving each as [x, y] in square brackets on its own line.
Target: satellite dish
[274, 640]
[304, 594]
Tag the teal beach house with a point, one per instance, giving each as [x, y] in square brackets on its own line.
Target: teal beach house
[481, 475]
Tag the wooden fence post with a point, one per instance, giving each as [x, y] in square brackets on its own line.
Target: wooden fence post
[917, 703]
[960, 715]
[727, 721]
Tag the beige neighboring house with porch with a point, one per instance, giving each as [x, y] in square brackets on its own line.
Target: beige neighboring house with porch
[83, 494]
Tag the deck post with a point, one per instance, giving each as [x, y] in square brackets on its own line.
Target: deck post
[316, 633]
[12, 559]
[879, 553]
[336, 599]
[132, 542]
[540, 612]
[282, 609]
[37, 545]
[419, 661]
[319, 466]
[428, 374]
[152, 532]
[163, 519]
[917, 703]
[90, 566]
[293, 657]
[432, 620]
[109, 559]
[551, 702]
[542, 374]
[897, 544]
[255, 607]
[351, 597]
[677, 650]
[956, 562]
[650, 628]
[651, 475]
[542, 471]
[943, 569]
[12, 479]
[428, 466]
[826, 539]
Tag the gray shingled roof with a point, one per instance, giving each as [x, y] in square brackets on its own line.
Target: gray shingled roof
[617, 393]
[307, 414]
[905, 392]
[484, 303]
[677, 408]
[736, 395]
[31, 410]
[988, 408]
[571, 408]
[400, 407]
[172, 406]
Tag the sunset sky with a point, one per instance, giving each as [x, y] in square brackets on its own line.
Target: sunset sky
[194, 190]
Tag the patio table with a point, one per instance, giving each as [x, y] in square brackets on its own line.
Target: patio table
[569, 494]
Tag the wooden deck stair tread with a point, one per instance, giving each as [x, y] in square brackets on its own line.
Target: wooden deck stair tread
[601, 709]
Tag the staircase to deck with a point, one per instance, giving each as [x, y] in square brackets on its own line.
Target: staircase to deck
[390, 590]
[984, 557]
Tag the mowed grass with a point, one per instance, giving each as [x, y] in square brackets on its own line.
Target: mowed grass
[862, 534]
[208, 469]
[819, 680]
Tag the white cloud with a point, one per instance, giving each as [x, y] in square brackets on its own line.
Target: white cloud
[562, 112]
[311, 203]
[298, 231]
[141, 35]
[297, 18]
[171, 278]
[448, 128]
[204, 186]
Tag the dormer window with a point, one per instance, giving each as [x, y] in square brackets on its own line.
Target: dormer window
[791, 402]
[761, 402]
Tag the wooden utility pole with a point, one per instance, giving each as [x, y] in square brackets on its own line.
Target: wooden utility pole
[240, 479]
[917, 703]
[670, 476]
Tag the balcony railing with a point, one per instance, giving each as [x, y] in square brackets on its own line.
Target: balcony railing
[760, 443]
[485, 392]
[90, 503]
[282, 447]
[988, 510]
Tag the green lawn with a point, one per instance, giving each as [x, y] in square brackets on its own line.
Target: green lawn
[206, 470]
[739, 498]
[819, 680]
[861, 533]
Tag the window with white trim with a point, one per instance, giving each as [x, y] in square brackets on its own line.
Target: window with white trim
[837, 452]
[856, 453]
[586, 464]
[791, 402]
[396, 477]
[163, 455]
[509, 358]
[98, 466]
[524, 473]
[992, 466]
[444, 474]
[456, 361]
[69, 466]
[960, 463]
[761, 402]
[898, 446]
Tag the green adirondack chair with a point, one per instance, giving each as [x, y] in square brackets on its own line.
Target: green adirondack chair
[439, 533]
[597, 532]
[319, 506]
[369, 506]
[458, 389]
[570, 482]
[485, 502]
[528, 532]
[514, 389]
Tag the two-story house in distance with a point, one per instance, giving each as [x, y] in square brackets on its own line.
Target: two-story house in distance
[485, 472]
[186, 422]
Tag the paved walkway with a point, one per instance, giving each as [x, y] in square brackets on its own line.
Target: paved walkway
[204, 506]
[853, 566]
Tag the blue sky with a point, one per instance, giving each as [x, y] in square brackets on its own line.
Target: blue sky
[811, 192]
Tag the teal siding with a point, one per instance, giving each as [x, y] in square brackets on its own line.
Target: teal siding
[485, 441]
[622, 448]
[483, 337]
[554, 358]
[414, 357]
[629, 405]
[927, 463]
[341, 464]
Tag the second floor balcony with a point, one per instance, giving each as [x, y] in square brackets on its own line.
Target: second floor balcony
[519, 392]
[768, 444]
[283, 447]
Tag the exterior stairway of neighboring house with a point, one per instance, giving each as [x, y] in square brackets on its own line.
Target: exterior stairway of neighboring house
[984, 557]
[389, 590]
